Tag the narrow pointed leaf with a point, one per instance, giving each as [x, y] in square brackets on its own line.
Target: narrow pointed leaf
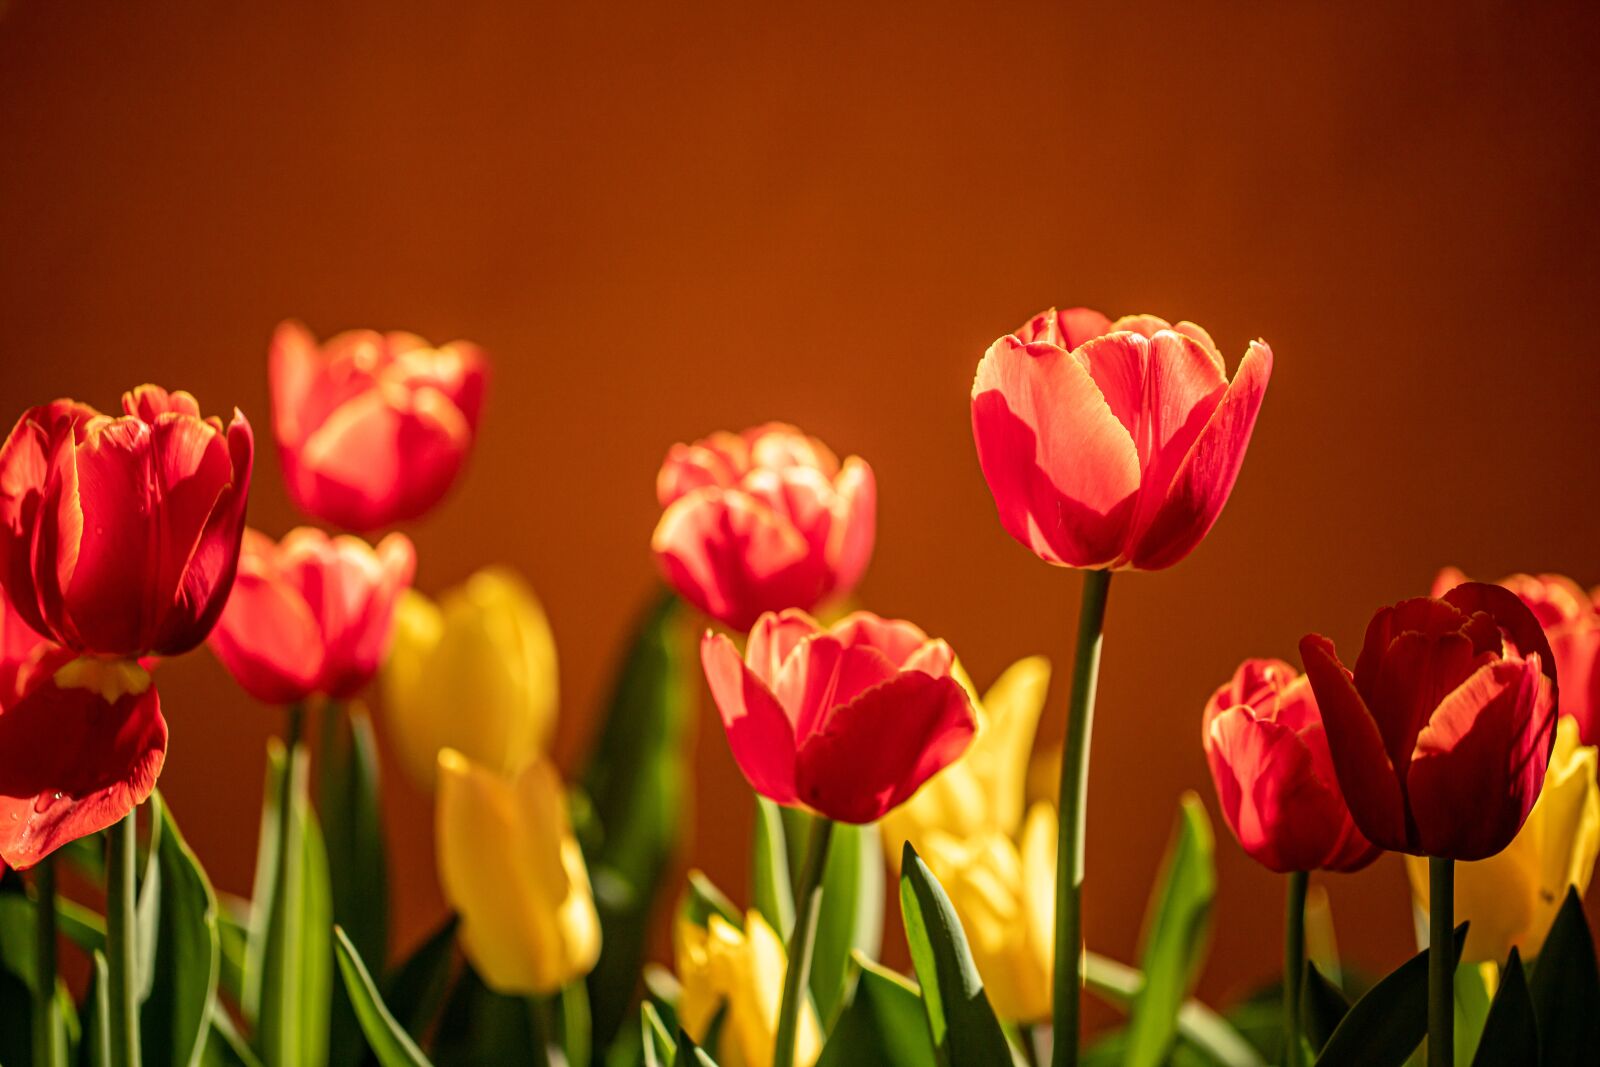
[1384, 1026]
[185, 953]
[479, 1026]
[1323, 1006]
[883, 1023]
[704, 900]
[1565, 987]
[97, 1014]
[1510, 1034]
[225, 1046]
[770, 888]
[659, 1048]
[264, 890]
[576, 1026]
[147, 907]
[387, 1038]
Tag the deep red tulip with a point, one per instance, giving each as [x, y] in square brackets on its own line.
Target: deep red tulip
[312, 613]
[21, 648]
[1571, 620]
[1442, 735]
[372, 428]
[1112, 444]
[847, 720]
[119, 536]
[762, 521]
[1274, 775]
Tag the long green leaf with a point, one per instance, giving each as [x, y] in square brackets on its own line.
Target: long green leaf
[1510, 1034]
[1565, 987]
[689, 1054]
[1323, 1006]
[97, 1014]
[576, 1025]
[961, 1022]
[659, 1047]
[852, 921]
[882, 1024]
[387, 1037]
[418, 987]
[264, 890]
[1119, 984]
[1382, 1028]
[233, 930]
[1176, 925]
[147, 909]
[186, 960]
[771, 890]
[481, 1026]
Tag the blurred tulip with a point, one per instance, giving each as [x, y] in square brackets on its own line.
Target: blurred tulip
[372, 428]
[1005, 898]
[720, 964]
[985, 789]
[848, 720]
[762, 521]
[1274, 775]
[120, 536]
[1441, 737]
[512, 870]
[1511, 898]
[312, 613]
[1111, 445]
[1571, 621]
[475, 672]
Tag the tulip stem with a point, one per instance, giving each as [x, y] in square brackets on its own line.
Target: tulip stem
[1294, 964]
[47, 1050]
[540, 1029]
[807, 906]
[1441, 962]
[121, 950]
[1073, 801]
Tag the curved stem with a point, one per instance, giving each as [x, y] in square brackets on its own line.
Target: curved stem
[802, 941]
[1441, 962]
[121, 951]
[47, 1035]
[1294, 964]
[1073, 800]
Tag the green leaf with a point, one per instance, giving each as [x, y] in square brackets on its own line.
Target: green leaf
[636, 783]
[147, 910]
[1177, 922]
[387, 1037]
[224, 1045]
[418, 987]
[348, 800]
[573, 1007]
[97, 1013]
[1510, 1034]
[659, 1047]
[1383, 1027]
[233, 930]
[80, 925]
[771, 890]
[185, 952]
[1323, 1006]
[852, 921]
[705, 900]
[1119, 984]
[883, 1023]
[1565, 988]
[264, 891]
[961, 1022]
[688, 1052]
[480, 1026]
[1472, 1011]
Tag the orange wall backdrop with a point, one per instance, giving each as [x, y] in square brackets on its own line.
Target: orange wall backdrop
[667, 219]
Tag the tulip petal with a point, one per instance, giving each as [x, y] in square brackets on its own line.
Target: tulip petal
[759, 731]
[854, 527]
[897, 639]
[268, 639]
[823, 673]
[774, 636]
[1511, 614]
[1066, 329]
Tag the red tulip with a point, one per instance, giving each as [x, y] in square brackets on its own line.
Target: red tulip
[372, 428]
[120, 536]
[1571, 621]
[1274, 775]
[762, 521]
[1112, 444]
[847, 720]
[21, 649]
[311, 614]
[1442, 735]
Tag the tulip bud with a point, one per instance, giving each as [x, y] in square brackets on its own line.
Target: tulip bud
[512, 870]
[720, 964]
[475, 672]
[1112, 444]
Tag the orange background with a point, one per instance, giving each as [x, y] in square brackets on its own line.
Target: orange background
[668, 219]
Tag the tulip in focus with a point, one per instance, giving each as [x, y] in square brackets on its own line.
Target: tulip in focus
[311, 613]
[372, 428]
[475, 672]
[847, 720]
[512, 870]
[720, 964]
[1273, 772]
[1512, 898]
[119, 536]
[1441, 737]
[762, 521]
[1112, 445]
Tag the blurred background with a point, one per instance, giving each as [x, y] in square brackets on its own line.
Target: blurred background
[663, 220]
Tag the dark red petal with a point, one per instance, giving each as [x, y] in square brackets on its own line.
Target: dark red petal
[1512, 615]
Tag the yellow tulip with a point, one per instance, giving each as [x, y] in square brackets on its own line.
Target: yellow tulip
[475, 672]
[983, 791]
[720, 964]
[1511, 898]
[513, 872]
[1004, 896]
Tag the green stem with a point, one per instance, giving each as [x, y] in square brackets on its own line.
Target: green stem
[47, 1050]
[1073, 800]
[1029, 1040]
[1294, 964]
[540, 1029]
[1441, 962]
[121, 951]
[802, 941]
[294, 724]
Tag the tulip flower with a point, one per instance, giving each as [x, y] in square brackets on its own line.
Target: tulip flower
[984, 790]
[372, 428]
[512, 870]
[312, 613]
[1511, 898]
[1571, 621]
[848, 720]
[1004, 894]
[21, 648]
[120, 536]
[719, 964]
[1112, 445]
[475, 672]
[762, 521]
[1273, 772]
